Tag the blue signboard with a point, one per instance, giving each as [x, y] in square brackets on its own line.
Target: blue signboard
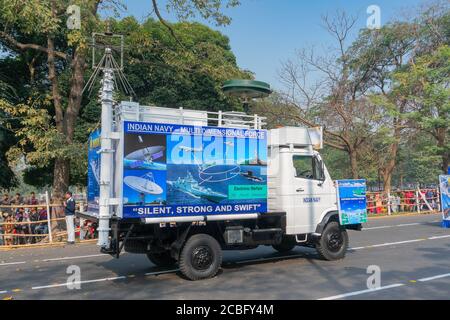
[93, 190]
[444, 187]
[181, 170]
[351, 199]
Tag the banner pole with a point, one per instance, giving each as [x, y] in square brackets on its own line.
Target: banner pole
[47, 200]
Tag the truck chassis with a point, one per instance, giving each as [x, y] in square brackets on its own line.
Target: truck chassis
[197, 246]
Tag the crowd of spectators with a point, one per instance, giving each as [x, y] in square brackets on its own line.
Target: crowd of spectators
[16, 223]
[402, 201]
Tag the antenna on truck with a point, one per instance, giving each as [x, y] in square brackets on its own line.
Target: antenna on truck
[111, 43]
[112, 75]
[246, 90]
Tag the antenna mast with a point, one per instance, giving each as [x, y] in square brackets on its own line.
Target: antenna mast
[112, 75]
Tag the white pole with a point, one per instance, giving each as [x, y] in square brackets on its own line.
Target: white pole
[389, 203]
[49, 214]
[106, 155]
[417, 201]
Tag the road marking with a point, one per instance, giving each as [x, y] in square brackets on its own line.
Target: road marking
[268, 259]
[399, 242]
[355, 293]
[394, 243]
[408, 224]
[12, 263]
[374, 228]
[439, 237]
[393, 226]
[78, 282]
[434, 277]
[76, 257]
[356, 248]
[161, 272]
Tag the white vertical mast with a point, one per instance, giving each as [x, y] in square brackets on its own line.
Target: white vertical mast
[106, 153]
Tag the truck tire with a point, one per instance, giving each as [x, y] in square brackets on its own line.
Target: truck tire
[201, 257]
[333, 243]
[287, 244]
[161, 259]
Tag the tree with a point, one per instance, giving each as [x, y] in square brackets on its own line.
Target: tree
[389, 47]
[7, 178]
[426, 86]
[38, 27]
[337, 99]
[35, 35]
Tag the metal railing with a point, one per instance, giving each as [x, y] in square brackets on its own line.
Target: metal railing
[37, 224]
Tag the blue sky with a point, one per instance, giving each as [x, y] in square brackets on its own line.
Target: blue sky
[264, 33]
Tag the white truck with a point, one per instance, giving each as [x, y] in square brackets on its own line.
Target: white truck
[273, 190]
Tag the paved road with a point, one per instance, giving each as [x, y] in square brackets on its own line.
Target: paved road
[412, 252]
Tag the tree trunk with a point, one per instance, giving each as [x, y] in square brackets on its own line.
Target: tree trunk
[353, 163]
[392, 162]
[60, 177]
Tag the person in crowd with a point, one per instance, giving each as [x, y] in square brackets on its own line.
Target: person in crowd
[370, 203]
[32, 200]
[436, 199]
[429, 195]
[378, 203]
[398, 201]
[6, 201]
[69, 211]
[393, 202]
[42, 228]
[33, 217]
[402, 201]
[20, 228]
[17, 200]
[409, 198]
[9, 229]
[2, 220]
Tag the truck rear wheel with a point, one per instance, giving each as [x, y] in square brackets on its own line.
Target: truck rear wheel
[161, 259]
[333, 243]
[201, 257]
[287, 244]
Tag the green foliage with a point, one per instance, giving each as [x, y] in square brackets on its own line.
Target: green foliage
[206, 9]
[160, 70]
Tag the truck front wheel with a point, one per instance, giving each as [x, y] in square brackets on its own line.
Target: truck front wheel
[201, 257]
[161, 259]
[333, 243]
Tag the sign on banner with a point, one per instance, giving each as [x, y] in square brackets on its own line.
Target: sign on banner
[174, 170]
[444, 186]
[351, 200]
[93, 189]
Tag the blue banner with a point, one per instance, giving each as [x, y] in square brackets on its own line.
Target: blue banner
[180, 170]
[93, 189]
[352, 203]
[444, 187]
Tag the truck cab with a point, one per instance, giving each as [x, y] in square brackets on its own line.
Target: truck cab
[298, 180]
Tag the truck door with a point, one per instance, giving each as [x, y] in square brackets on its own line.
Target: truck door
[310, 192]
